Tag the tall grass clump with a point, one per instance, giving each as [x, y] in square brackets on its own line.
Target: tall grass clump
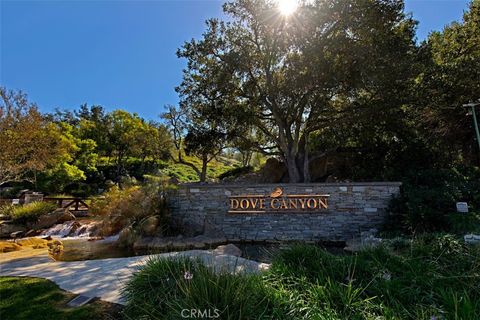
[166, 287]
[31, 211]
[436, 277]
[431, 277]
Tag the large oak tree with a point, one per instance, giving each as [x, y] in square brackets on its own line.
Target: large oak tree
[292, 76]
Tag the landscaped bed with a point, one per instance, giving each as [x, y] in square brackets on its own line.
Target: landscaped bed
[432, 277]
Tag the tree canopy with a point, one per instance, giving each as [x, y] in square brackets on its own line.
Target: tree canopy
[337, 89]
[291, 77]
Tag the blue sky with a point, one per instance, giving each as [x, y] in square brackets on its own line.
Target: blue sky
[121, 54]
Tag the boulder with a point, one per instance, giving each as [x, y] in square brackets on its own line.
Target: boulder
[7, 228]
[161, 244]
[273, 171]
[7, 246]
[33, 233]
[126, 237]
[229, 249]
[55, 247]
[149, 226]
[16, 234]
[58, 216]
[35, 243]
[112, 225]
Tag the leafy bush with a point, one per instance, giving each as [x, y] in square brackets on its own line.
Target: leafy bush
[163, 288]
[31, 211]
[428, 197]
[122, 207]
[464, 223]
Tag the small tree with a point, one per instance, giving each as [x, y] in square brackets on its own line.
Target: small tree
[28, 142]
[193, 135]
[176, 124]
[206, 144]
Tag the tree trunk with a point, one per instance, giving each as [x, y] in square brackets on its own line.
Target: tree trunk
[306, 162]
[119, 168]
[246, 158]
[203, 175]
[293, 172]
[142, 166]
[191, 165]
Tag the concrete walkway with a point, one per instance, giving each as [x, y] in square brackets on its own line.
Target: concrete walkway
[104, 278]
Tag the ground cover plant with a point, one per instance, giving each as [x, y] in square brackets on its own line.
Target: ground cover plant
[40, 299]
[31, 211]
[430, 277]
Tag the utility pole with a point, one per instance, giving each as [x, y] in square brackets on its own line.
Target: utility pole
[475, 123]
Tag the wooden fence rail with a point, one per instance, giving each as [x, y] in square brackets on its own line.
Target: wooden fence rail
[77, 203]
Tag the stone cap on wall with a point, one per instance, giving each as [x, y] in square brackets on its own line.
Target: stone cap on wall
[253, 185]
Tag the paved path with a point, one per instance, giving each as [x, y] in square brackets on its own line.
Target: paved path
[104, 278]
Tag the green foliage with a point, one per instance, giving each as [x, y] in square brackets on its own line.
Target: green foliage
[403, 284]
[450, 77]
[7, 209]
[185, 173]
[464, 223]
[29, 141]
[60, 177]
[161, 290]
[434, 276]
[128, 206]
[103, 146]
[429, 196]
[236, 172]
[31, 211]
[288, 80]
[40, 299]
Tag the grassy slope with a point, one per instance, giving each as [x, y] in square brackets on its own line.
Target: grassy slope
[34, 298]
[185, 173]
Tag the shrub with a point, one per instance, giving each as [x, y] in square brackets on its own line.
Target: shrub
[122, 207]
[31, 211]
[428, 198]
[163, 288]
[7, 209]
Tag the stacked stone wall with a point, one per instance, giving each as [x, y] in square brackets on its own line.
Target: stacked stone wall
[352, 208]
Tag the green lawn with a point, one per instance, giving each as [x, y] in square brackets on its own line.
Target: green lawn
[34, 298]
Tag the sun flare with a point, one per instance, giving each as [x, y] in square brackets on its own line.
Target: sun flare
[287, 7]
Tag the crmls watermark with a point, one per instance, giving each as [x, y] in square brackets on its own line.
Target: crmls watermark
[200, 314]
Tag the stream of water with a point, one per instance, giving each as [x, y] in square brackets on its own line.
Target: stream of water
[78, 244]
